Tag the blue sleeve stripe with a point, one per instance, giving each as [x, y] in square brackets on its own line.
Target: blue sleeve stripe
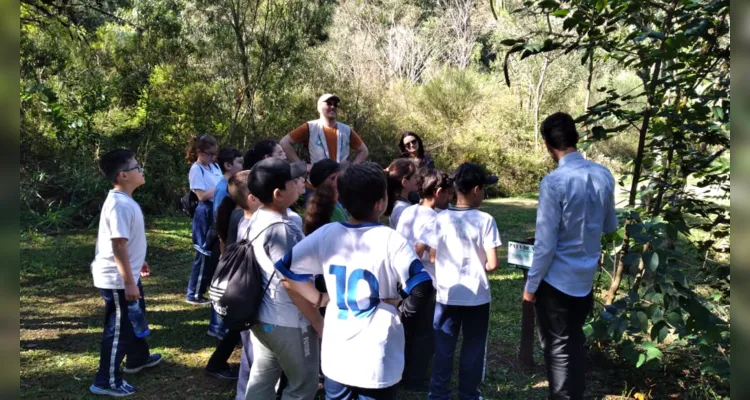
[415, 280]
[415, 267]
[283, 266]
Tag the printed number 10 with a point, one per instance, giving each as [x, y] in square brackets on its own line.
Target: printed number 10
[346, 291]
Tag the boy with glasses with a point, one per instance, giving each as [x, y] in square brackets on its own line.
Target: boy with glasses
[119, 262]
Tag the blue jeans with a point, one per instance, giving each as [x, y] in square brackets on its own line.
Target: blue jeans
[118, 339]
[206, 251]
[473, 322]
[339, 391]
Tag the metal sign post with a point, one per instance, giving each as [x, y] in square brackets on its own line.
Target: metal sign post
[520, 256]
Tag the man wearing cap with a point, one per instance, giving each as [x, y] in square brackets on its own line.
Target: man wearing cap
[576, 205]
[325, 137]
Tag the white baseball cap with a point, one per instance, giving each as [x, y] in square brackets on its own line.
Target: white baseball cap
[326, 97]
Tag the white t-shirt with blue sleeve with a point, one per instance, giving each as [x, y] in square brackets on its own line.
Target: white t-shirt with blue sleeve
[363, 340]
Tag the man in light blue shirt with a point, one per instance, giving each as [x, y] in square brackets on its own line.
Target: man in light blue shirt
[576, 205]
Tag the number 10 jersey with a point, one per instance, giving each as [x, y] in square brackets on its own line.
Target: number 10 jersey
[363, 339]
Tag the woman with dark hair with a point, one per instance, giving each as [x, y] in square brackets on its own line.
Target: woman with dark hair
[412, 148]
[261, 150]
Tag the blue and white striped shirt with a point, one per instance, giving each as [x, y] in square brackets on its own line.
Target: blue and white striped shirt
[576, 205]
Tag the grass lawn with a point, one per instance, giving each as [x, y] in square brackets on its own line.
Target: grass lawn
[61, 317]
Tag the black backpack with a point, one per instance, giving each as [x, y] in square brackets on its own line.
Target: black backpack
[236, 289]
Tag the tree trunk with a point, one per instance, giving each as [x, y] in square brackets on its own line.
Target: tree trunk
[619, 268]
[641, 270]
[663, 184]
[652, 103]
[589, 81]
[538, 100]
[238, 25]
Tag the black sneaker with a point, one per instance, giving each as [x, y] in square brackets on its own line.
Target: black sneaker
[224, 374]
[200, 301]
[153, 360]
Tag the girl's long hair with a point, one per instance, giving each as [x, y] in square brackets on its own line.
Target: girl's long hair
[319, 208]
[202, 143]
[238, 191]
[396, 172]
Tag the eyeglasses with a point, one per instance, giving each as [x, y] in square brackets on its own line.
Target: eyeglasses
[207, 153]
[138, 168]
[412, 143]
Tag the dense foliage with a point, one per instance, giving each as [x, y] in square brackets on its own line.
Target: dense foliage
[648, 81]
[150, 74]
[674, 239]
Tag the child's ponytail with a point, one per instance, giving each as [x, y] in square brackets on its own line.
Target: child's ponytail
[319, 208]
[396, 172]
[202, 143]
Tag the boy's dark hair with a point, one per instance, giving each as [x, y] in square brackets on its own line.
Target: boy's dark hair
[322, 169]
[430, 180]
[113, 162]
[398, 170]
[559, 131]
[360, 186]
[261, 150]
[270, 174]
[470, 175]
[227, 155]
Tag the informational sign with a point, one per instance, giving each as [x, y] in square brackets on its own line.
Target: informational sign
[520, 255]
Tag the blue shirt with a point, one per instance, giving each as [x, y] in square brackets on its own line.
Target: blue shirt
[576, 205]
[221, 191]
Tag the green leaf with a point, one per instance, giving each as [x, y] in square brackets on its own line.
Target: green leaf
[643, 320]
[588, 330]
[560, 13]
[511, 42]
[600, 4]
[651, 351]
[641, 360]
[719, 113]
[659, 331]
[598, 133]
[675, 319]
[651, 260]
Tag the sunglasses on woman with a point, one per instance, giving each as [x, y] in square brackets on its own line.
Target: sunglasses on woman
[412, 143]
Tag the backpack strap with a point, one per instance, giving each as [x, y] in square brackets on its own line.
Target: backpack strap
[265, 289]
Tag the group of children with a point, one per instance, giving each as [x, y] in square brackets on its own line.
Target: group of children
[368, 305]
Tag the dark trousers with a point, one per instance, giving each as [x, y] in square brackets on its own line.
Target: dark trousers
[206, 248]
[339, 391]
[419, 347]
[118, 339]
[218, 360]
[561, 318]
[473, 322]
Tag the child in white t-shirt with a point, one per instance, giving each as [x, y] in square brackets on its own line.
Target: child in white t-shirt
[463, 243]
[118, 265]
[363, 264]
[402, 180]
[416, 221]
